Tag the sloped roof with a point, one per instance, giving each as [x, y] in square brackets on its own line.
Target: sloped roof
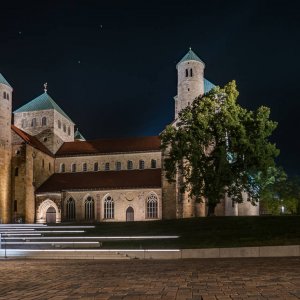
[31, 140]
[208, 86]
[3, 80]
[42, 102]
[191, 55]
[103, 180]
[124, 145]
[78, 136]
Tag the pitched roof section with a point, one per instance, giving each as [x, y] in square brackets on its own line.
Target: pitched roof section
[138, 144]
[191, 55]
[78, 136]
[31, 140]
[104, 180]
[4, 81]
[42, 102]
[208, 86]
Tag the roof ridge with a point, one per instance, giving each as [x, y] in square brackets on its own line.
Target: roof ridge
[4, 81]
[42, 102]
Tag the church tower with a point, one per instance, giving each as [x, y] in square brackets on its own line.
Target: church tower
[5, 149]
[190, 84]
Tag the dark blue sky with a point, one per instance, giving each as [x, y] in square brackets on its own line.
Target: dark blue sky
[126, 79]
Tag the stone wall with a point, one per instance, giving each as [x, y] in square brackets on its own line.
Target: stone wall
[108, 158]
[5, 152]
[123, 199]
[49, 134]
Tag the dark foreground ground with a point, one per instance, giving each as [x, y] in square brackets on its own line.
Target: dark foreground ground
[271, 278]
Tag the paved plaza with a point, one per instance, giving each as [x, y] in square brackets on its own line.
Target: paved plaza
[252, 278]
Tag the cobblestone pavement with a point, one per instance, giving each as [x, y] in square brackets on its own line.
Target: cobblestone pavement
[254, 278]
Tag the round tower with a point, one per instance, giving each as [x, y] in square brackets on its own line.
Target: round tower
[190, 80]
[5, 150]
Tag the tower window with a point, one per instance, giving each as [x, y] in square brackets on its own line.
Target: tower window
[129, 165]
[186, 72]
[118, 166]
[106, 168]
[73, 168]
[44, 121]
[153, 163]
[4, 95]
[43, 163]
[64, 128]
[69, 131]
[7, 96]
[23, 123]
[62, 168]
[33, 122]
[59, 124]
[191, 72]
[16, 171]
[96, 166]
[141, 164]
[84, 167]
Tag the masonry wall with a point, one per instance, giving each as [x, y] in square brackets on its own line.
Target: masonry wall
[57, 130]
[108, 158]
[5, 153]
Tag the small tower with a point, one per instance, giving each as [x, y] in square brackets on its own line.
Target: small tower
[5, 149]
[190, 85]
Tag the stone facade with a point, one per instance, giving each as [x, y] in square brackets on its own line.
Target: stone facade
[30, 155]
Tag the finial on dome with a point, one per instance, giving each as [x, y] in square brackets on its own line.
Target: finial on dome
[45, 87]
[190, 48]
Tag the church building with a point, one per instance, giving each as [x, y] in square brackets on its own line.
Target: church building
[49, 173]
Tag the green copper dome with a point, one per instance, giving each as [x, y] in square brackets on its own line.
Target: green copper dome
[42, 102]
[191, 55]
[4, 81]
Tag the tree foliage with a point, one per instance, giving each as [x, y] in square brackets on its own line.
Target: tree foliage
[284, 193]
[220, 147]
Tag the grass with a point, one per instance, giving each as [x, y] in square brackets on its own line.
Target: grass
[206, 232]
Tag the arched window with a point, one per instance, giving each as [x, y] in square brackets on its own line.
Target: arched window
[153, 163]
[109, 208]
[49, 167]
[4, 95]
[59, 124]
[186, 72]
[129, 165]
[191, 72]
[71, 209]
[7, 96]
[84, 167]
[73, 168]
[44, 121]
[141, 165]
[69, 131]
[23, 123]
[62, 168]
[16, 171]
[106, 168]
[89, 208]
[33, 122]
[152, 204]
[118, 165]
[96, 166]
[43, 163]
[64, 128]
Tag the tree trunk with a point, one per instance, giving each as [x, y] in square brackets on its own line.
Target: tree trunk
[211, 210]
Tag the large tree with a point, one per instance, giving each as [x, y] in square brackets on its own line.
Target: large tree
[220, 148]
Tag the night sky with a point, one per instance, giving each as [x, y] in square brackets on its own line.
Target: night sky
[111, 65]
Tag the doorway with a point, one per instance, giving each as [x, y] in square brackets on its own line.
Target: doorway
[51, 215]
[129, 214]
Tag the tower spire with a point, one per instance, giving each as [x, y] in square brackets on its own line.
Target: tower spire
[45, 87]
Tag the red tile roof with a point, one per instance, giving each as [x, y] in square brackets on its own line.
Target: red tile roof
[103, 180]
[138, 144]
[31, 140]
